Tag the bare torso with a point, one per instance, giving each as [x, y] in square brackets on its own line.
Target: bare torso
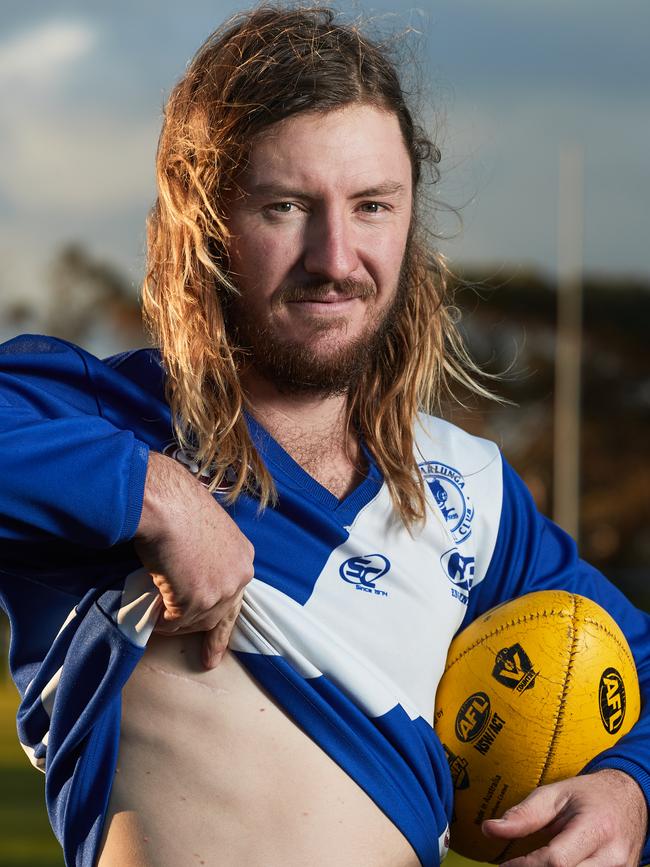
[211, 771]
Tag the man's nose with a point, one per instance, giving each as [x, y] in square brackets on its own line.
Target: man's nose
[330, 250]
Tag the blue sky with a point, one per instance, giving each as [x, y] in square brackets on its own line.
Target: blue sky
[82, 86]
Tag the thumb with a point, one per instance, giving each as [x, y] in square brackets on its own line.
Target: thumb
[536, 811]
[215, 640]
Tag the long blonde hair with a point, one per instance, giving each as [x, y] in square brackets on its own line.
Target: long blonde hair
[259, 68]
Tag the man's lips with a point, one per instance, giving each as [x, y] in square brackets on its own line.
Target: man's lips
[329, 302]
[328, 298]
[334, 294]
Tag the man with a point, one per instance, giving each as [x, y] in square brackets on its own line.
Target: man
[301, 323]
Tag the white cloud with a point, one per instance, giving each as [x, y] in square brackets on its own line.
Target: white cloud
[82, 162]
[36, 55]
[61, 154]
[72, 167]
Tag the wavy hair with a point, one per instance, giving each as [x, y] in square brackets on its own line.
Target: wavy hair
[259, 68]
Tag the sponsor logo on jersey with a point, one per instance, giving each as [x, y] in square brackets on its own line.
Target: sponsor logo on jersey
[460, 571]
[612, 700]
[458, 769]
[365, 571]
[473, 717]
[513, 668]
[448, 488]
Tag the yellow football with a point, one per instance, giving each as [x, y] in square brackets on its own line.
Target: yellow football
[532, 691]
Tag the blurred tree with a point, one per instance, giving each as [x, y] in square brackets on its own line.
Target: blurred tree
[509, 320]
[86, 301]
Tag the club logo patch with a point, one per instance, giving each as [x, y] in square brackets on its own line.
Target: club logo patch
[459, 569]
[611, 696]
[513, 668]
[448, 488]
[364, 571]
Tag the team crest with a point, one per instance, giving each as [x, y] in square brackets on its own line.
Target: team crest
[459, 569]
[448, 488]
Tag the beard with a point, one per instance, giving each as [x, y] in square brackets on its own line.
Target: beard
[294, 366]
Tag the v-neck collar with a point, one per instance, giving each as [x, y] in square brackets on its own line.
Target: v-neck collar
[346, 508]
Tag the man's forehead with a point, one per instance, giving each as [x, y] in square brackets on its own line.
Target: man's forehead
[354, 149]
[284, 186]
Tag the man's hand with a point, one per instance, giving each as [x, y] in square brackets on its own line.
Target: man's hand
[198, 558]
[596, 820]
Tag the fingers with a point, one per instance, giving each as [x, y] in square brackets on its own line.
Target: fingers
[574, 846]
[581, 825]
[552, 857]
[196, 611]
[199, 621]
[215, 640]
[580, 844]
[535, 812]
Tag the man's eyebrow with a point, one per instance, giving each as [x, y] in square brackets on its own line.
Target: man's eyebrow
[388, 188]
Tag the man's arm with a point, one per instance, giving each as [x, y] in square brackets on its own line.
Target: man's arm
[68, 473]
[603, 812]
[197, 556]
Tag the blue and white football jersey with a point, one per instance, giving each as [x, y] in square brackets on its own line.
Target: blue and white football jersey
[346, 623]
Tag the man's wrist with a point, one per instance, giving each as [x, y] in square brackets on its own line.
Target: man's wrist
[161, 493]
[637, 793]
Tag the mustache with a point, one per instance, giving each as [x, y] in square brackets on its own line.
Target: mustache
[344, 290]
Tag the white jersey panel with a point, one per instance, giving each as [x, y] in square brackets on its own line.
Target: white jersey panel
[387, 603]
[399, 624]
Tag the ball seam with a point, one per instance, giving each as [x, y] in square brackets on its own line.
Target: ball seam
[536, 615]
[559, 716]
[559, 713]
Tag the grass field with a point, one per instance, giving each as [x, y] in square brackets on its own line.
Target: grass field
[26, 839]
[25, 836]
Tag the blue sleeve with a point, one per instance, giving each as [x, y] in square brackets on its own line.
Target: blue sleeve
[67, 471]
[532, 553]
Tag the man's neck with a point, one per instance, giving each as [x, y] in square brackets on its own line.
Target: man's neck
[312, 429]
[289, 417]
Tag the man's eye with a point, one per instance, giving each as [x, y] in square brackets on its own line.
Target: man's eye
[281, 207]
[373, 207]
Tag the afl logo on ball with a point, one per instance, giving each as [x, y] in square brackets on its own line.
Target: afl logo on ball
[612, 700]
[473, 717]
